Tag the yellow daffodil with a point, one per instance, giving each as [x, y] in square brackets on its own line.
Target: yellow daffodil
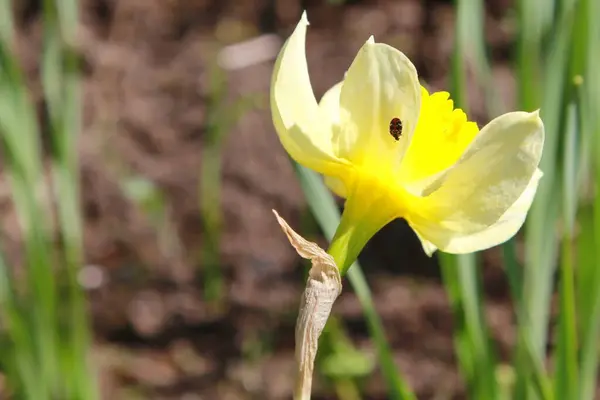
[460, 188]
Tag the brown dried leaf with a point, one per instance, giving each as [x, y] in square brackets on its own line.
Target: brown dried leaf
[323, 286]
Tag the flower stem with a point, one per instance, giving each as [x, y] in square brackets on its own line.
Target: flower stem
[350, 238]
[344, 248]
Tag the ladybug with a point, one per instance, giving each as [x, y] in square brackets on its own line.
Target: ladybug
[396, 128]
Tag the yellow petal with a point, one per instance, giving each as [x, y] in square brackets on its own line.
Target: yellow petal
[330, 112]
[489, 177]
[502, 230]
[330, 106]
[428, 247]
[295, 111]
[380, 85]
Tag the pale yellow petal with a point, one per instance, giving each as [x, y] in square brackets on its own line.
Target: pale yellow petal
[428, 247]
[330, 112]
[294, 109]
[502, 230]
[380, 85]
[330, 106]
[489, 177]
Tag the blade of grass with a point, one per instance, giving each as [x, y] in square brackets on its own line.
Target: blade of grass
[565, 375]
[588, 285]
[536, 374]
[477, 363]
[209, 189]
[566, 361]
[61, 82]
[540, 251]
[222, 118]
[460, 273]
[470, 42]
[322, 204]
[534, 292]
[541, 246]
[535, 16]
[17, 356]
[587, 267]
[525, 362]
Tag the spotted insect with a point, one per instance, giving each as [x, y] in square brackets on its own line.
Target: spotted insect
[396, 128]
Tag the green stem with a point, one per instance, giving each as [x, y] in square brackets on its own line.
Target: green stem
[350, 238]
[360, 221]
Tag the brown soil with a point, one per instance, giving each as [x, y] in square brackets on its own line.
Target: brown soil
[147, 104]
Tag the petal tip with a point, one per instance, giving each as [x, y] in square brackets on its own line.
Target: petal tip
[535, 115]
[304, 18]
[371, 40]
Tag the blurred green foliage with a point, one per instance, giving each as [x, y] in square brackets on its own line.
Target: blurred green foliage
[45, 338]
[223, 115]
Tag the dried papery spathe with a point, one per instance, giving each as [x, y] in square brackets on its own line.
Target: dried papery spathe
[323, 286]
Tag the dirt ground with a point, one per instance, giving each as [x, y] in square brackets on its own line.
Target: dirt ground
[147, 105]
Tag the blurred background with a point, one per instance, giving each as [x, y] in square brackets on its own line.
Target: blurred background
[190, 287]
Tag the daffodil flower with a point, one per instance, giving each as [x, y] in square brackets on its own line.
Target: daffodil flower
[461, 189]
